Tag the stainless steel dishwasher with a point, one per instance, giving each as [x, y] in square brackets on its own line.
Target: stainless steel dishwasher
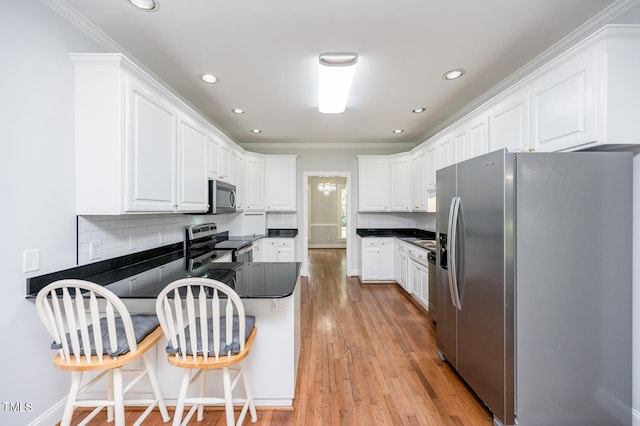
[433, 287]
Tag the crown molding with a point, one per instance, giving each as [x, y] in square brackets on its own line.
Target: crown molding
[329, 145]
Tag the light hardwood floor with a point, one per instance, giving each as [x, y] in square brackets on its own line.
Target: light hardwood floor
[368, 358]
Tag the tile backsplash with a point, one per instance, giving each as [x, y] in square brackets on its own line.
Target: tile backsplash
[426, 221]
[122, 235]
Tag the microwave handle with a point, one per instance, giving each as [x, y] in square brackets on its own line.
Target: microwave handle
[232, 198]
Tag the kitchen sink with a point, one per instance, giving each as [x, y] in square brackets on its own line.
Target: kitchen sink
[427, 244]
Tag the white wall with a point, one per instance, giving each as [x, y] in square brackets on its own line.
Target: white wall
[37, 191]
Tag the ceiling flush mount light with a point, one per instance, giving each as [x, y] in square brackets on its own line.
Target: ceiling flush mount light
[398, 131]
[256, 131]
[417, 110]
[238, 111]
[453, 74]
[335, 76]
[209, 78]
[147, 5]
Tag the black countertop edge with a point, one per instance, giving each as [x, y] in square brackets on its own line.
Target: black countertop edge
[123, 265]
[396, 232]
[282, 233]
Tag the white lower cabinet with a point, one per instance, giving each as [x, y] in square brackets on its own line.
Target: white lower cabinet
[377, 259]
[277, 250]
[402, 264]
[418, 275]
[256, 251]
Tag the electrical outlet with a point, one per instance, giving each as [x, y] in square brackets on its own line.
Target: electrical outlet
[31, 260]
[276, 305]
[95, 250]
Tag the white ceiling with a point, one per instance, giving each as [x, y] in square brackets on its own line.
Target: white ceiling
[266, 54]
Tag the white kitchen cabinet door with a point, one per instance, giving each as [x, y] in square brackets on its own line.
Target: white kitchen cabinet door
[431, 167]
[224, 161]
[373, 183]
[509, 124]
[213, 158]
[460, 143]
[402, 264]
[268, 249]
[445, 152]
[422, 272]
[151, 147]
[563, 104]
[254, 185]
[378, 259]
[280, 182]
[277, 249]
[477, 141]
[239, 179]
[192, 186]
[419, 181]
[285, 250]
[419, 281]
[400, 184]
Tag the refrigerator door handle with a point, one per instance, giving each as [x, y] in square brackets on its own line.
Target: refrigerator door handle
[451, 252]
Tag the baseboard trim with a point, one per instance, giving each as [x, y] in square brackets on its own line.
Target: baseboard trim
[52, 416]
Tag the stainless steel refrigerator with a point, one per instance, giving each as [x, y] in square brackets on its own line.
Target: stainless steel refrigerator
[534, 284]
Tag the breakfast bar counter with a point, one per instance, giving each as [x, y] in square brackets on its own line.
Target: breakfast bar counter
[269, 291]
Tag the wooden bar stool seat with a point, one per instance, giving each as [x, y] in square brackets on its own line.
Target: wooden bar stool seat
[93, 331]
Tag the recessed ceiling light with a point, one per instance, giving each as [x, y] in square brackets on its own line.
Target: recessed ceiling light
[453, 74]
[238, 111]
[417, 110]
[398, 131]
[147, 5]
[256, 131]
[209, 78]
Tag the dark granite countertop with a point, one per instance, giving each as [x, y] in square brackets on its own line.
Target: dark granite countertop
[143, 275]
[282, 233]
[418, 234]
[414, 236]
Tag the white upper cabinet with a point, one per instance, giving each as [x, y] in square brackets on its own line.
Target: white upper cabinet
[254, 187]
[150, 141]
[477, 141]
[509, 124]
[373, 183]
[280, 182]
[133, 143]
[192, 191]
[588, 97]
[238, 178]
[444, 147]
[432, 163]
[561, 101]
[419, 180]
[400, 190]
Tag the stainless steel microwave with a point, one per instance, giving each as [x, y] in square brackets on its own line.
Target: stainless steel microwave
[222, 197]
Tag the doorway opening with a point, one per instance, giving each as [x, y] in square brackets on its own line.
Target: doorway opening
[327, 207]
[327, 213]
